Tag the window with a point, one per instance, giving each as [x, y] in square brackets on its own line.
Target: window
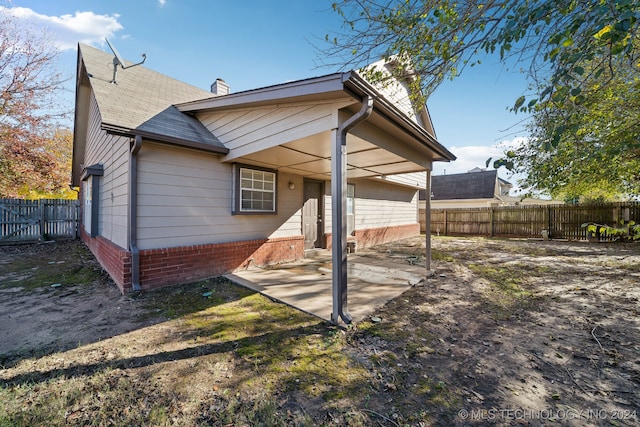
[255, 190]
[88, 201]
[351, 223]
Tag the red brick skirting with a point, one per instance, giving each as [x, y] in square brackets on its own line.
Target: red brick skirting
[184, 264]
[168, 266]
[114, 259]
[375, 236]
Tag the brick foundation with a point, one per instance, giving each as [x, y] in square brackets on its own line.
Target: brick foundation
[169, 266]
[375, 236]
[114, 259]
[184, 264]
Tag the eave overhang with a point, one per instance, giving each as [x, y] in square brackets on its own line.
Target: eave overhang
[332, 86]
[170, 140]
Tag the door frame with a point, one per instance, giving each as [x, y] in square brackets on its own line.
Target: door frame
[321, 214]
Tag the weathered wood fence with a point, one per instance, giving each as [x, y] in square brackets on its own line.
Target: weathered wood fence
[32, 220]
[559, 221]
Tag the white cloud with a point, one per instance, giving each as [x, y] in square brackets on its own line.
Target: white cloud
[67, 30]
[475, 156]
[162, 2]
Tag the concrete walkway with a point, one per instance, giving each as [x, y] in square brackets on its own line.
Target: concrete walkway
[306, 285]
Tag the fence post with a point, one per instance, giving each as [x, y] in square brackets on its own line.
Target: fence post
[546, 220]
[445, 222]
[491, 221]
[41, 215]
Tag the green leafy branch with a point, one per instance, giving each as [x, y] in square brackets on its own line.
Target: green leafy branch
[628, 230]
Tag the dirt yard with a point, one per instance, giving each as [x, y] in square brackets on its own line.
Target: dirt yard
[505, 332]
[520, 332]
[54, 296]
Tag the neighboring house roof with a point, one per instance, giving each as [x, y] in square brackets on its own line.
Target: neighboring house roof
[141, 102]
[471, 185]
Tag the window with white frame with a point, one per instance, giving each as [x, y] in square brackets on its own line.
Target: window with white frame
[87, 197]
[255, 190]
[351, 223]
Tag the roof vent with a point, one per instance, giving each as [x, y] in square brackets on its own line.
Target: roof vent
[220, 87]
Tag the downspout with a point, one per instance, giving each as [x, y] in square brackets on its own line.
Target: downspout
[339, 209]
[133, 214]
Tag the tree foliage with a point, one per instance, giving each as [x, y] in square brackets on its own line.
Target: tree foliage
[587, 147]
[439, 38]
[38, 166]
[35, 154]
[578, 56]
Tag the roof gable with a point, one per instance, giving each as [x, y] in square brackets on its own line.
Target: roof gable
[397, 91]
[142, 100]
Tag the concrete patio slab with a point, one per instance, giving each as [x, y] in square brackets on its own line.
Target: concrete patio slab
[306, 285]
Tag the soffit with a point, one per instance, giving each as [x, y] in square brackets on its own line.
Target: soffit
[311, 158]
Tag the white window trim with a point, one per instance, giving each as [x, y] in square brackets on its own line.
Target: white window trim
[91, 197]
[238, 189]
[351, 216]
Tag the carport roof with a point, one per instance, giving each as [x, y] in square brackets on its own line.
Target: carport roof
[386, 115]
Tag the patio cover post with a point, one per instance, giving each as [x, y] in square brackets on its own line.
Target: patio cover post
[339, 211]
[427, 221]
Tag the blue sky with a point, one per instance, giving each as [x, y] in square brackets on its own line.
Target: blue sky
[255, 43]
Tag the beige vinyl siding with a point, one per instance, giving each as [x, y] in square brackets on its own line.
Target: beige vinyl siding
[383, 205]
[113, 153]
[185, 198]
[398, 93]
[415, 179]
[395, 91]
[248, 131]
[378, 204]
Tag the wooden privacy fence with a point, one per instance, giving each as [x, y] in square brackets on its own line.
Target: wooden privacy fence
[31, 220]
[559, 221]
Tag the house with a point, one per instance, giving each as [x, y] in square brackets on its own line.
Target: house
[179, 184]
[478, 188]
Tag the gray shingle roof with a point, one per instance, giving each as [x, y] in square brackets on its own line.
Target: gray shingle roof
[143, 99]
[472, 185]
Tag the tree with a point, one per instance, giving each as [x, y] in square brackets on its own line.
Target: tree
[589, 147]
[570, 50]
[39, 167]
[439, 38]
[31, 160]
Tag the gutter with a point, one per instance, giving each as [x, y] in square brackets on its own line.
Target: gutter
[356, 84]
[133, 214]
[339, 209]
[166, 139]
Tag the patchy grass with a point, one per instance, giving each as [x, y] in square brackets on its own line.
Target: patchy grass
[476, 336]
[437, 255]
[506, 295]
[44, 264]
[229, 356]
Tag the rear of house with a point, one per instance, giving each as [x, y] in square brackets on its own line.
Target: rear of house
[179, 184]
